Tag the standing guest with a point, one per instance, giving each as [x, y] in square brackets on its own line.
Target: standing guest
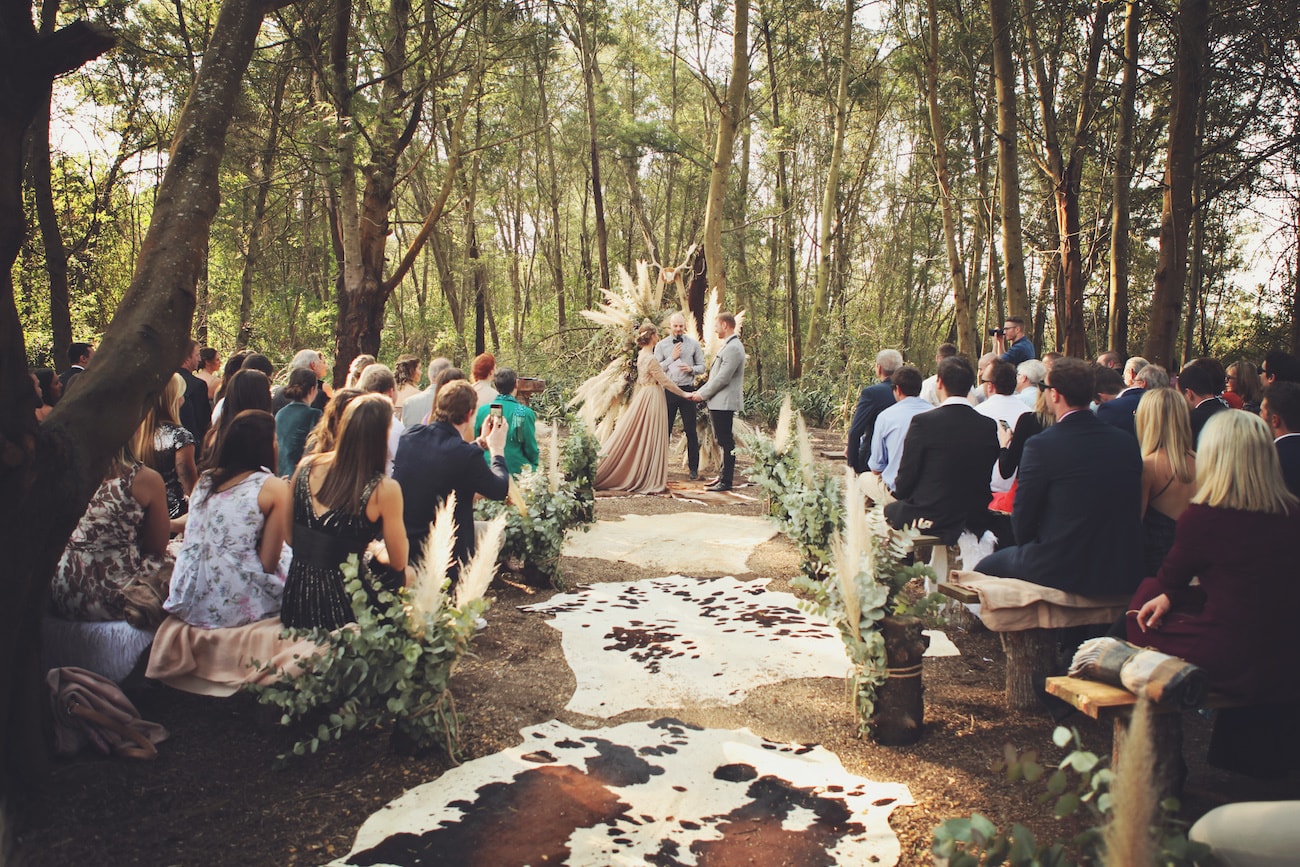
[439, 459]
[296, 419]
[928, 393]
[254, 361]
[1077, 512]
[635, 458]
[1278, 366]
[872, 401]
[1029, 381]
[355, 369]
[233, 562]
[247, 389]
[79, 355]
[948, 454]
[378, 379]
[890, 430]
[51, 389]
[1281, 410]
[121, 538]
[1012, 344]
[196, 411]
[681, 360]
[1244, 384]
[305, 359]
[161, 442]
[209, 366]
[725, 395]
[1237, 623]
[419, 409]
[406, 371]
[233, 365]
[1200, 382]
[1164, 432]
[481, 371]
[342, 503]
[521, 433]
[326, 432]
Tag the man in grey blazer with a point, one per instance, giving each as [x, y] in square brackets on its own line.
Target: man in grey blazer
[725, 395]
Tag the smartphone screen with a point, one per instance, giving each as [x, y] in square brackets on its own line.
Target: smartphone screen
[497, 411]
[1004, 424]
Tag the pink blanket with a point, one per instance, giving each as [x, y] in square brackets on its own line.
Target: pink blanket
[220, 661]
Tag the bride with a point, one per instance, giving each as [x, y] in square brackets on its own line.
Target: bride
[636, 457]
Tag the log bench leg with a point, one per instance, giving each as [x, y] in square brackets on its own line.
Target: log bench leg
[1031, 657]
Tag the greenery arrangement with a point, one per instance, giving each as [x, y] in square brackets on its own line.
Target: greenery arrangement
[869, 569]
[1124, 824]
[394, 665]
[543, 505]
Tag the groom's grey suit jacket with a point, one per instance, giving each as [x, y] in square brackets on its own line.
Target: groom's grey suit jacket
[725, 389]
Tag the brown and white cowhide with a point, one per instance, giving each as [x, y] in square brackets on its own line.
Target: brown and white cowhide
[676, 641]
[659, 793]
[692, 543]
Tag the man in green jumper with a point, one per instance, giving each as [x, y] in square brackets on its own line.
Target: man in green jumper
[521, 437]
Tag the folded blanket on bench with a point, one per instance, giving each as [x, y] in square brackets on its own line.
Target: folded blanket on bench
[1162, 678]
[1012, 605]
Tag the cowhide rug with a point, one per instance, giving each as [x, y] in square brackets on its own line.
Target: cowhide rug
[676, 641]
[690, 543]
[658, 793]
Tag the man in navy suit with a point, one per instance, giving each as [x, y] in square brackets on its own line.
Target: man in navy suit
[948, 457]
[1281, 409]
[1201, 382]
[873, 400]
[1077, 513]
[1120, 411]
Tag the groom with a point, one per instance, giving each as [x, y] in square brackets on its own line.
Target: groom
[725, 394]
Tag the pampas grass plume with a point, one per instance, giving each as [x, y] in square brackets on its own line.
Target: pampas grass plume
[428, 593]
[806, 459]
[477, 574]
[1126, 839]
[781, 439]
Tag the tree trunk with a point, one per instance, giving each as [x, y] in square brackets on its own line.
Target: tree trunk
[1180, 170]
[956, 271]
[587, 49]
[899, 717]
[830, 194]
[1117, 330]
[783, 226]
[729, 115]
[555, 245]
[1004, 71]
[50, 472]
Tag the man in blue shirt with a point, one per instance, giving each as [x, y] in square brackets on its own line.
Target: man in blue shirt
[1012, 344]
[888, 435]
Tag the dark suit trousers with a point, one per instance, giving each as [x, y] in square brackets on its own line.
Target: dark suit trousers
[722, 419]
[687, 408]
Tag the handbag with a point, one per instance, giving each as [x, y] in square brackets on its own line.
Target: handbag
[90, 709]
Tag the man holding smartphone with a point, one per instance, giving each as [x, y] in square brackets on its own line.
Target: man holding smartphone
[682, 359]
[521, 438]
[998, 382]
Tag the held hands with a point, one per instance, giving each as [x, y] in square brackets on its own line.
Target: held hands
[695, 396]
[1152, 614]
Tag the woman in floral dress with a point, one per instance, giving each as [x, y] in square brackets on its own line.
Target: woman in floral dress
[233, 563]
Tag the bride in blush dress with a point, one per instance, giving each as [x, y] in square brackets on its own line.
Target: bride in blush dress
[635, 459]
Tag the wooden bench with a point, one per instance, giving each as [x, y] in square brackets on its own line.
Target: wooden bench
[942, 558]
[1101, 701]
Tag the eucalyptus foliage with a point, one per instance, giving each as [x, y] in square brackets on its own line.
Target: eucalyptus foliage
[392, 666]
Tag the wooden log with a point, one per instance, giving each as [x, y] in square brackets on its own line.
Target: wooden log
[899, 716]
[1031, 657]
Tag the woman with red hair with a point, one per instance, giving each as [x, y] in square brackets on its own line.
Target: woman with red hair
[480, 376]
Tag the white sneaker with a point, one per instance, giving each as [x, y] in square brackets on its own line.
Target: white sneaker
[479, 624]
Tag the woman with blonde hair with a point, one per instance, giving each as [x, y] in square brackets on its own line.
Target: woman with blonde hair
[343, 503]
[355, 369]
[163, 443]
[1236, 622]
[1164, 431]
[326, 432]
[635, 458]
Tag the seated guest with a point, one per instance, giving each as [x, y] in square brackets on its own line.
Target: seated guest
[521, 435]
[1164, 433]
[209, 365]
[253, 361]
[163, 443]
[1244, 390]
[196, 410]
[325, 434]
[122, 537]
[1120, 411]
[928, 393]
[891, 428]
[1078, 502]
[247, 389]
[481, 371]
[1200, 382]
[418, 407]
[232, 564]
[1281, 410]
[232, 366]
[306, 359]
[356, 368]
[1131, 368]
[442, 458]
[1109, 383]
[342, 503]
[872, 401]
[1013, 445]
[1029, 381]
[1237, 623]
[1278, 366]
[1110, 360]
[948, 454]
[296, 419]
[378, 379]
[998, 382]
[406, 371]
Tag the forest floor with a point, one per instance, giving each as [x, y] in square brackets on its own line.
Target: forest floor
[213, 796]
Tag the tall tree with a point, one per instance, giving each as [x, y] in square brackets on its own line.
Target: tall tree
[1004, 73]
[1122, 190]
[730, 111]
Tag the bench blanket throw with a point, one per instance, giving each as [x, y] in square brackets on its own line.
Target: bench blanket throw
[1013, 605]
[1164, 679]
[89, 709]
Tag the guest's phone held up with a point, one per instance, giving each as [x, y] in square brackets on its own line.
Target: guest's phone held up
[1005, 426]
[497, 412]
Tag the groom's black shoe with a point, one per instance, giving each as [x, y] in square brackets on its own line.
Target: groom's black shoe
[719, 485]
[695, 476]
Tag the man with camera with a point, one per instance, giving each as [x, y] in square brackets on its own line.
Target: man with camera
[1010, 341]
[682, 360]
